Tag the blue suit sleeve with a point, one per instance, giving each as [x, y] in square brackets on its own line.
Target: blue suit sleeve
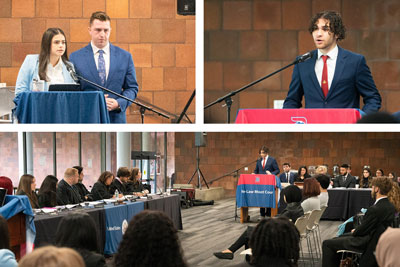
[130, 86]
[367, 88]
[275, 167]
[296, 92]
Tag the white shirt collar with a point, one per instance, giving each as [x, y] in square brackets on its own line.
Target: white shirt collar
[58, 66]
[95, 49]
[331, 54]
[379, 199]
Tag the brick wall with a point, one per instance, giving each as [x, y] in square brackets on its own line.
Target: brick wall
[226, 152]
[162, 43]
[248, 39]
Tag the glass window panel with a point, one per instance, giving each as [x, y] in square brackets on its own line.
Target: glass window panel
[9, 156]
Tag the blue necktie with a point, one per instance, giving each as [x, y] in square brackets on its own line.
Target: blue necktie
[102, 68]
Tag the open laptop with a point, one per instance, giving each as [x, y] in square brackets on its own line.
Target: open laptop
[3, 193]
[64, 87]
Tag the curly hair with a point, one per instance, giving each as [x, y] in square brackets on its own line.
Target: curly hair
[336, 25]
[275, 239]
[394, 196]
[150, 240]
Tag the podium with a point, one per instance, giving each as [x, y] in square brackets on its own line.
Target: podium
[257, 190]
[298, 116]
[62, 107]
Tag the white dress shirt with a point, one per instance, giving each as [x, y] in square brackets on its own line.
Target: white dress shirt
[55, 74]
[331, 64]
[106, 56]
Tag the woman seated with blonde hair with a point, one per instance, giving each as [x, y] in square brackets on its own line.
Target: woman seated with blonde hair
[51, 256]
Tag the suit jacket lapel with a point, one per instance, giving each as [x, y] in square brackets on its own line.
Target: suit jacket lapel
[91, 64]
[113, 59]
[340, 63]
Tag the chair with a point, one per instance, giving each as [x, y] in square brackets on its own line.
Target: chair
[354, 255]
[312, 228]
[301, 225]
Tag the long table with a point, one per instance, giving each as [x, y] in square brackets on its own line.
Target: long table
[109, 220]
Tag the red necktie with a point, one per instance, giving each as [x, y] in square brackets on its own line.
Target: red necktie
[263, 163]
[324, 80]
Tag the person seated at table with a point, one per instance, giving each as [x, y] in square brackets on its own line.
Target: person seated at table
[66, 192]
[134, 183]
[83, 192]
[287, 176]
[7, 257]
[311, 191]
[101, 189]
[392, 175]
[27, 186]
[48, 192]
[301, 175]
[324, 183]
[6, 183]
[365, 236]
[379, 173]
[388, 250]
[366, 180]
[292, 197]
[119, 183]
[150, 240]
[50, 256]
[344, 179]
[49, 66]
[84, 239]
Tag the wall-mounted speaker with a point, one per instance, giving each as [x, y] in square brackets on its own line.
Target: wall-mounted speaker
[186, 7]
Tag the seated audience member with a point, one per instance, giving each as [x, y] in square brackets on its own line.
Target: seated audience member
[344, 179]
[394, 196]
[134, 184]
[66, 192]
[392, 175]
[84, 239]
[365, 236]
[150, 240]
[379, 173]
[301, 175]
[119, 182]
[48, 192]
[322, 169]
[324, 182]
[81, 188]
[101, 189]
[287, 176]
[274, 242]
[292, 196]
[311, 191]
[7, 257]
[27, 186]
[6, 183]
[51, 256]
[366, 180]
[388, 250]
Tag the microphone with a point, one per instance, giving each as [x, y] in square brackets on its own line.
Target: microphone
[304, 57]
[72, 73]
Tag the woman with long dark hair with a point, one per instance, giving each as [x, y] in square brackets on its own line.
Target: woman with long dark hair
[134, 184]
[27, 186]
[49, 67]
[366, 178]
[7, 257]
[301, 175]
[48, 192]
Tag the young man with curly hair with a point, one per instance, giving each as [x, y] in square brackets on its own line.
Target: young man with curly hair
[333, 77]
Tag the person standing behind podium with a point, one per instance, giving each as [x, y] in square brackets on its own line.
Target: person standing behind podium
[49, 66]
[333, 77]
[344, 179]
[266, 165]
[66, 192]
[107, 65]
[287, 176]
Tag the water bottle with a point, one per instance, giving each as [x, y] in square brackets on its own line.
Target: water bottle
[116, 194]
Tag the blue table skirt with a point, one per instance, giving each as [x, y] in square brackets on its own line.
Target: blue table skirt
[62, 107]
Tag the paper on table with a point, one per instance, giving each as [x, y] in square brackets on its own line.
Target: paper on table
[49, 210]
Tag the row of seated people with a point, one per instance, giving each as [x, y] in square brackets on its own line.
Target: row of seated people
[71, 190]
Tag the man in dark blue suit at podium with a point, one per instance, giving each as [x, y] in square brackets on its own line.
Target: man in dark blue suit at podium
[333, 77]
[107, 65]
[266, 165]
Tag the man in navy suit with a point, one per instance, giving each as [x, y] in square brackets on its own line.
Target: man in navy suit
[333, 77]
[108, 66]
[266, 165]
[287, 176]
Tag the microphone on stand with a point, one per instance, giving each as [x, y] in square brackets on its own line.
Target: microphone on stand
[303, 58]
[72, 73]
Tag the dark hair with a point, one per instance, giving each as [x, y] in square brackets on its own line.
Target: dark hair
[346, 166]
[292, 194]
[24, 187]
[323, 180]
[79, 168]
[134, 173]
[150, 240]
[77, 230]
[286, 164]
[384, 184]
[311, 188]
[299, 170]
[45, 49]
[4, 235]
[100, 15]
[104, 176]
[275, 239]
[381, 171]
[123, 172]
[264, 148]
[335, 23]
[49, 186]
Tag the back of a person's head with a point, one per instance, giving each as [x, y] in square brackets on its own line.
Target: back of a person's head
[323, 180]
[70, 173]
[6, 183]
[275, 240]
[77, 230]
[49, 184]
[150, 240]
[394, 195]
[311, 188]
[388, 249]
[51, 256]
[384, 184]
[4, 235]
[292, 194]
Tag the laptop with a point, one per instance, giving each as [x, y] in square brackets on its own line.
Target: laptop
[64, 87]
[3, 193]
